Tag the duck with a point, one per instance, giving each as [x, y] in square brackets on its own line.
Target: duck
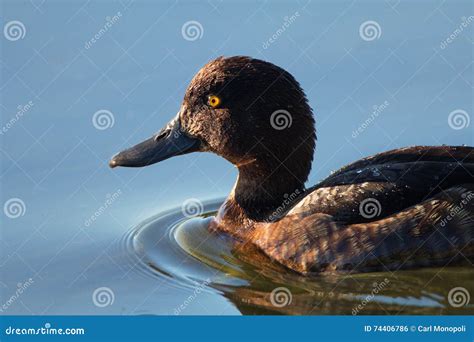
[405, 208]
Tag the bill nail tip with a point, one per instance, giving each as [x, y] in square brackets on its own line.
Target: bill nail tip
[112, 164]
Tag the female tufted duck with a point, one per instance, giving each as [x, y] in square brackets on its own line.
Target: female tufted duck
[404, 208]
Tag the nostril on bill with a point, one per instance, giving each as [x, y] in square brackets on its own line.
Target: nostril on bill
[162, 134]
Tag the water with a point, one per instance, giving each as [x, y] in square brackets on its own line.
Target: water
[181, 252]
[84, 227]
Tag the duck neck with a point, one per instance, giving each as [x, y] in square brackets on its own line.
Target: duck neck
[260, 194]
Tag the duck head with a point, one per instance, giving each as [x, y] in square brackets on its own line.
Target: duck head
[250, 112]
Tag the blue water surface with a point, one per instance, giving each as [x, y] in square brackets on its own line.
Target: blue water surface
[54, 158]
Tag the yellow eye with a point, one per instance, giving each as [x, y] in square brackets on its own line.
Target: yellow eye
[213, 101]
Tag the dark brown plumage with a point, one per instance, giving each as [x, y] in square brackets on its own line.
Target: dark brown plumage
[405, 208]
